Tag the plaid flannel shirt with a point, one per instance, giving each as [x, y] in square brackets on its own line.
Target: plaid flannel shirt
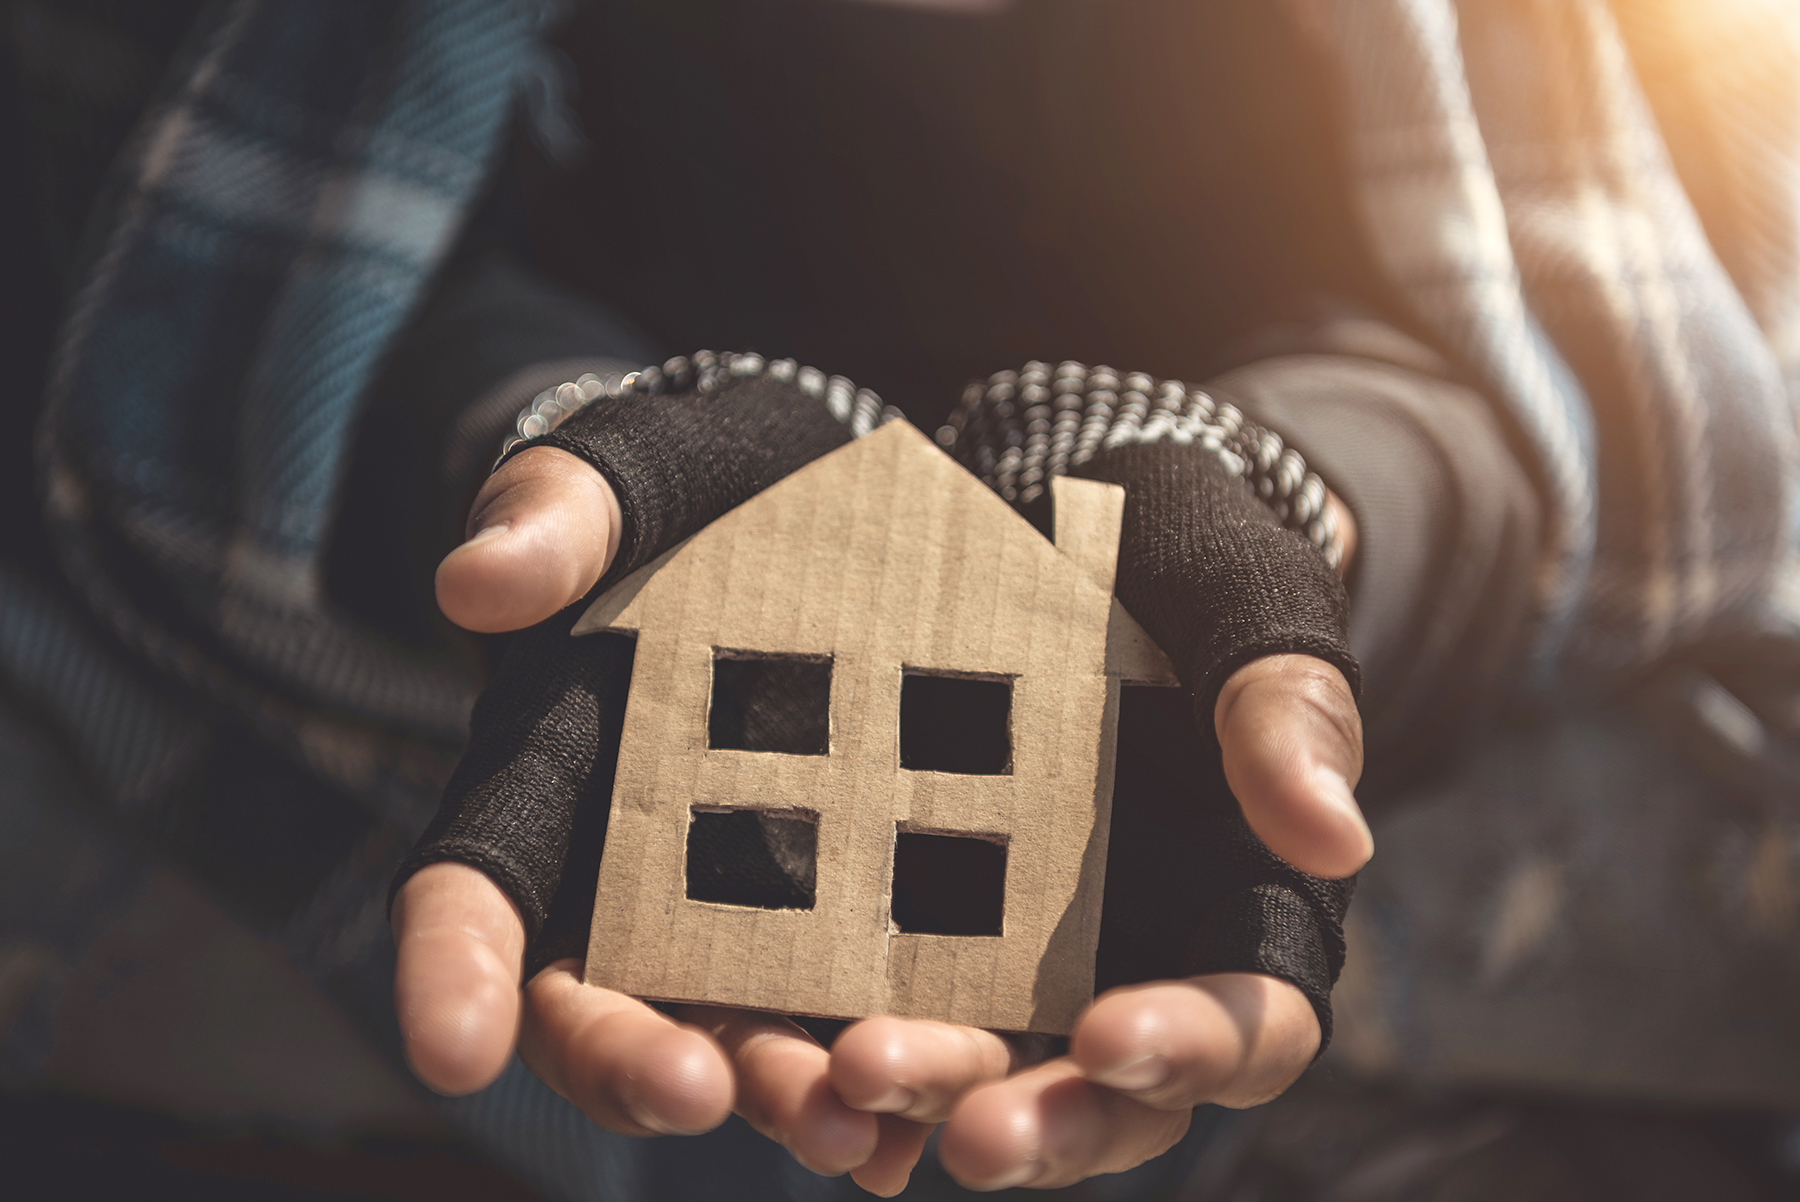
[1531, 175]
[1612, 251]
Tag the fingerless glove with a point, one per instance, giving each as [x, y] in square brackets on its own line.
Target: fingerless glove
[1205, 566]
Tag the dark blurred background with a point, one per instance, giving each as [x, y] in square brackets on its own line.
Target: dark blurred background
[1550, 1050]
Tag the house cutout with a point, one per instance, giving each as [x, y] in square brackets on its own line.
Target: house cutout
[886, 563]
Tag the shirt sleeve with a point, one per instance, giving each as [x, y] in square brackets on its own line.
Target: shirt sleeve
[1448, 529]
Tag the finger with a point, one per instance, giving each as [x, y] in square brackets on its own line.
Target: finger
[1346, 528]
[1292, 744]
[899, 1144]
[542, 530]
[914, 1069]
[459, 942]
[1047, 1127]
[1237, 1039]
[626, 1066]
[784, 1089]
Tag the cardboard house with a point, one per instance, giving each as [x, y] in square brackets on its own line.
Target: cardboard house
[894, 586]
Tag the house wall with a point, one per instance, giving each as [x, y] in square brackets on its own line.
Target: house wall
[884, 555]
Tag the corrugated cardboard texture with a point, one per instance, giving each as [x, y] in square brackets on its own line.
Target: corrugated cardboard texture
[885, 556]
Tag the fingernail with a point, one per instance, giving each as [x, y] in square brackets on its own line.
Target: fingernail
[1336, 790]
[654, 1122]
[649, 1121]
[1146, 1072]
[882, 1191]
[641, 1114]
[1025, 1174]
[893, 1101]
[487, 533]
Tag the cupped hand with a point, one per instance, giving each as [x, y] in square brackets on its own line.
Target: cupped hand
[1140, 1059]
[542, 531]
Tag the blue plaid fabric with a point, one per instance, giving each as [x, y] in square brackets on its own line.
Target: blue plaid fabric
[1615, 258]
[272, 227]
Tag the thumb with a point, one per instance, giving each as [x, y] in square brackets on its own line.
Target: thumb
[1292, 745]
[542, 530]
[459, 942]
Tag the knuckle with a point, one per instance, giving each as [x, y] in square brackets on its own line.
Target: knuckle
[882, 1036]
[496, 494]
[1340, 717]
[1316, 679]
[982, 1055]
[1318, 692]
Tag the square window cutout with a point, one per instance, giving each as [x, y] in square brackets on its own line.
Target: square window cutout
[763, 702]
[766, 859]
[948, 884]
[956, 724]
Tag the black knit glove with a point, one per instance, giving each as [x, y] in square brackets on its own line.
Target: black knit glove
[1204, 565]
[1211, 575]
[680, 457]
[680, 449]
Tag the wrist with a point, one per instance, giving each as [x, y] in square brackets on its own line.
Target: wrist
[1021, 428]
